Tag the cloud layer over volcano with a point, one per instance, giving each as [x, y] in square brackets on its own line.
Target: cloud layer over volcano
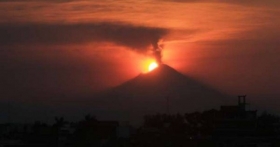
[134, 37]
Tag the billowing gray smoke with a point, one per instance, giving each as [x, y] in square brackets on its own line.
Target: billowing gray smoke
[137, 38]
[157, 51]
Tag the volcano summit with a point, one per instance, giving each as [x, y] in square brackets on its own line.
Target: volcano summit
[163, 90]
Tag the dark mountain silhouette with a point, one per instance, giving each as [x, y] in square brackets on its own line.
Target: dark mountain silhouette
[164, 90]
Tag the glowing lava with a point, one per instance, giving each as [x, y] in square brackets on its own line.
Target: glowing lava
[152, 66]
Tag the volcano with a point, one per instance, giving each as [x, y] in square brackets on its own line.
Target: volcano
[163, 90]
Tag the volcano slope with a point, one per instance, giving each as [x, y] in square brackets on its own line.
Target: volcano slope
[163, 90]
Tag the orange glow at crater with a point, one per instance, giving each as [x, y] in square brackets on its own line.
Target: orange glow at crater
[152, 66]
[147, 64]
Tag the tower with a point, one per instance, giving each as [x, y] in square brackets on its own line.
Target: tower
[242, 102]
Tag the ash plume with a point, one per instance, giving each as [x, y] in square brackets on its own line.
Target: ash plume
[137, 38]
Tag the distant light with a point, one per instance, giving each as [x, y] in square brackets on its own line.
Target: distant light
[152, 66]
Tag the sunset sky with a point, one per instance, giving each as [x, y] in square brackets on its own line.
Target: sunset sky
[55, 51]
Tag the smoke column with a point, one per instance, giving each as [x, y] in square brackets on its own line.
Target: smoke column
[157, 51]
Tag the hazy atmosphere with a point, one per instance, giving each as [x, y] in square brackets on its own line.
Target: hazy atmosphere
[56, 54]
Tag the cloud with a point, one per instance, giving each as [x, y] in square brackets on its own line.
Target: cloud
[134, 37]
[57, 1]
[242, 2]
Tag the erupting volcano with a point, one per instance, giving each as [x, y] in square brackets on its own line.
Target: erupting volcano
[161, 90]
[157, 90]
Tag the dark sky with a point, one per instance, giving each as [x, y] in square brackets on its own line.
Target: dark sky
[55, 52]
